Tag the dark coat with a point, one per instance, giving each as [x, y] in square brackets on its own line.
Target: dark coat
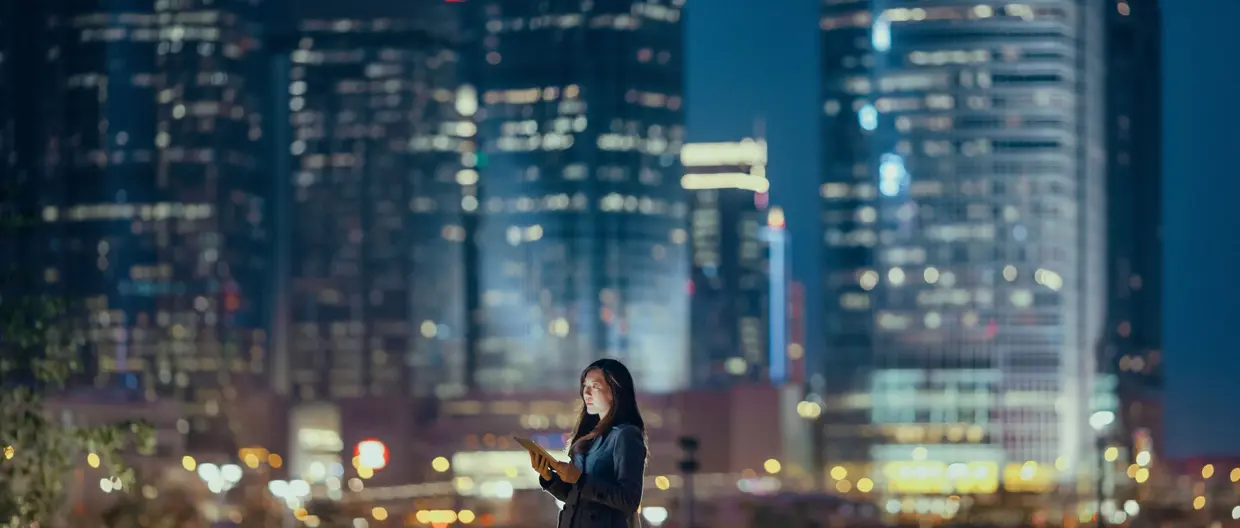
[610, 488]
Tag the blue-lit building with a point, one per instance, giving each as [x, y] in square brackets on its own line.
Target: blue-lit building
[582, 222]
[730, 290]
[964, 193]
[377, 182]
[142, 146]
[1132, 348]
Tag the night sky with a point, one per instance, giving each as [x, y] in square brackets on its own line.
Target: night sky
[750, 61]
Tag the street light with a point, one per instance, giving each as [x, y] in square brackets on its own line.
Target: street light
[219, 479]
[655, 515]
[1100, 421]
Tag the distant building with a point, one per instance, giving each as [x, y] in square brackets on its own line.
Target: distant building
[1132, 345]
[964, 193]
[732, 265]
[582, 221]
[797, 326]
[139, 131]
[375, 208]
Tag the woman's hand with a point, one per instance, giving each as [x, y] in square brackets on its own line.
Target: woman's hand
[541, 465]
[567, 472]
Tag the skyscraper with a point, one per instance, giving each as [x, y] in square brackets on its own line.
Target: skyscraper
[582, 220]
[376, 225]
[730, 291]
[1133, 344]
[963, 188]
[142, 141]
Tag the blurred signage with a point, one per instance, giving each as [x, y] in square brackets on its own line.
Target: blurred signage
[1029, 477]
[930, 477]
[319, 440]
[758, 485]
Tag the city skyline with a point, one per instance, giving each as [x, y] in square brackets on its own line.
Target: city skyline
[1197, 312]
[361, 247]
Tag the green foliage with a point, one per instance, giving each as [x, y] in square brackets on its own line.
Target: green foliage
[38, 355]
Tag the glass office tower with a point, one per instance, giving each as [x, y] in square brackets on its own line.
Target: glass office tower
[731, 288]
[1133, 350]
[143, 151]
[963, 191]
[376, 214]
[582, 230]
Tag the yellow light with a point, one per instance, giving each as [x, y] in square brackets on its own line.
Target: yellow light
[379, 513]
[8, 452]
[776, 218]
[839, 473]
[251, 460]
[843, 486]
[1111, 454]
[1235, 475]
[1132, 470]
[1199, 503]
[92, 460]
[1207, 471]
[772, 466]
[1143, 475]
[662, 482]
[423, 516]
[747, 152]
[299, 513]
[365, 472]
[727, 180]
[188, 463]
[865, 485]
[466, 516]
[809, 410]
[440, 464]
[275, 460]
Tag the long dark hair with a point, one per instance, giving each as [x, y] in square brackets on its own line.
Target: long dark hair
[623, 405]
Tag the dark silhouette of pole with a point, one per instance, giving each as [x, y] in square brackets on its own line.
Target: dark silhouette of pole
[688, 468]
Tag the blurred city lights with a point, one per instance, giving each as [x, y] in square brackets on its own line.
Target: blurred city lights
[441, 464]
[655, 515]
[868, 117]
[371, 454]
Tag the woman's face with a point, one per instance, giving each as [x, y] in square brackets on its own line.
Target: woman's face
[596, 393]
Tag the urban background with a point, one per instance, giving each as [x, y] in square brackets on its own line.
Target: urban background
[314, 263]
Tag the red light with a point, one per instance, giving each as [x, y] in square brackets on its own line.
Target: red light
[371, 453]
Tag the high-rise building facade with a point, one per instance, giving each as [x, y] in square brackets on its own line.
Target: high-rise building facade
[1133, 339]
[144, 131]
[376, 231]
[582, 230]
[730, 303]
[964, 193]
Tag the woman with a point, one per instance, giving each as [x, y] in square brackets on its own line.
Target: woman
[602, 485]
